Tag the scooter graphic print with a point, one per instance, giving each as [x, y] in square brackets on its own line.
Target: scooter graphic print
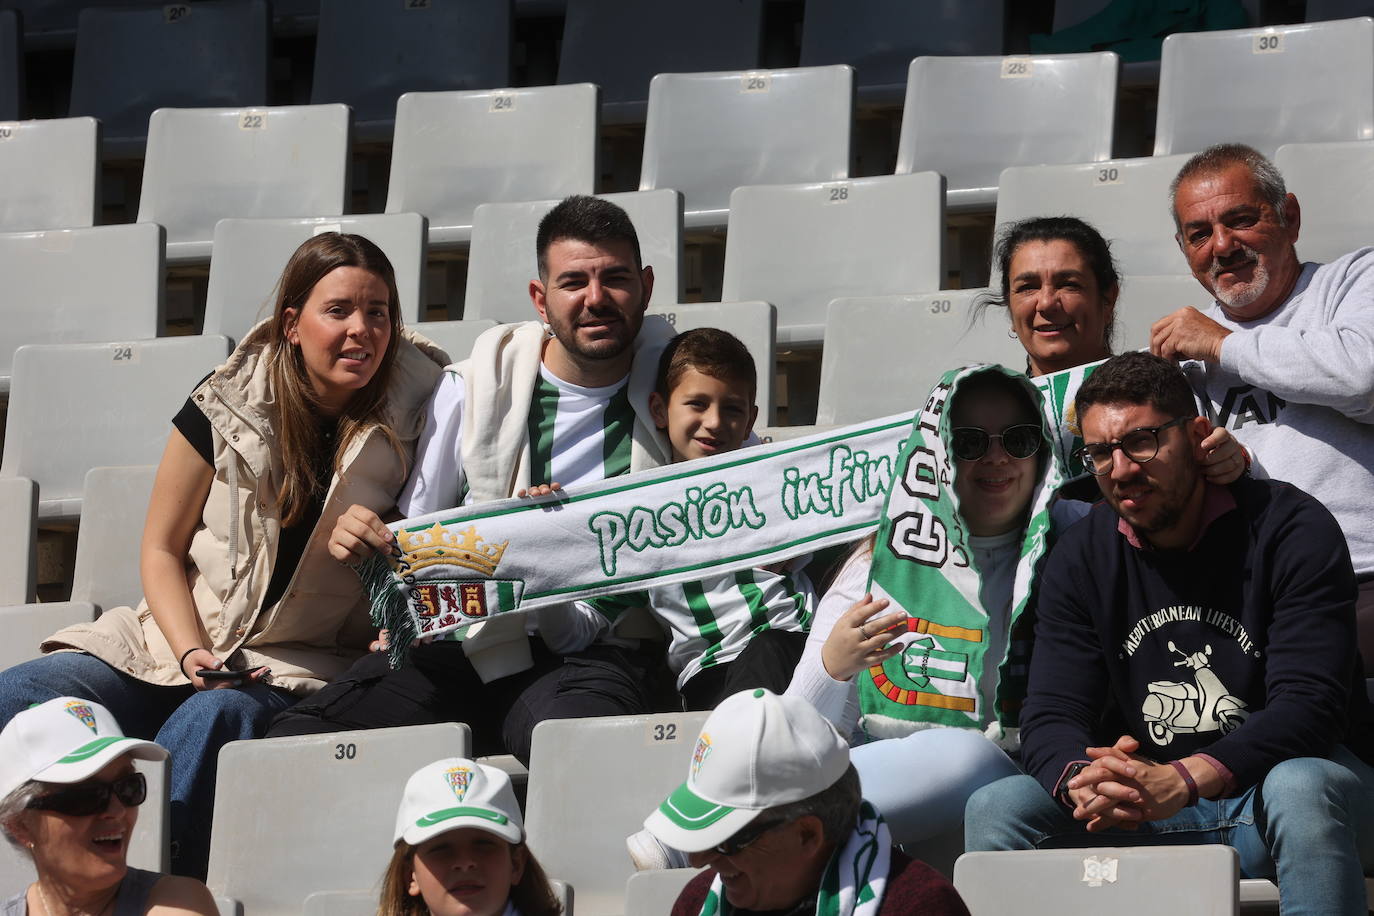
[1203, 706]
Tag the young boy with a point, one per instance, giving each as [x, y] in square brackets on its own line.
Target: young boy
[732, 632]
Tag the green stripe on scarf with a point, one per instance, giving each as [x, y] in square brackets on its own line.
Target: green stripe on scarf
[923, 564]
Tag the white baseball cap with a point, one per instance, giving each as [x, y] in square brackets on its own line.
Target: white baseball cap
[65, 740]
[756, 751]
[456, 792]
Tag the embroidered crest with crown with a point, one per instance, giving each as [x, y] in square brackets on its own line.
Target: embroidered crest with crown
[459, 778]
[83, 712]
[437, 580]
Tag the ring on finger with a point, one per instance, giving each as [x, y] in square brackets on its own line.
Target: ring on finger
[864, 630]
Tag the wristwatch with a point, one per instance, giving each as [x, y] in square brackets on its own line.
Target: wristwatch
[1061, 791]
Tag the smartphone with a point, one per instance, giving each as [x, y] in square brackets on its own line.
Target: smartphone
[219, 674]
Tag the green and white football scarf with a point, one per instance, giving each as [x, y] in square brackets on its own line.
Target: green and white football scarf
[922, 564]
[1060, 389]
[680, 523]
[855, 878]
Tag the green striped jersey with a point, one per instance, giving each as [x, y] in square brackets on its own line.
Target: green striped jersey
[576, 435]
[710, 622]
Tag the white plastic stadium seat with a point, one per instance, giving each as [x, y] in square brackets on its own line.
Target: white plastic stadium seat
[879, 38]
[455, 150]
[970, 117]
[79, 285]
[1334, 184]
[426, 46]
[454, 337]
[799, 246]
[49, 174]
[1126, 881]
[107, 559]
[651, 38]
[1288, 72]
[502, 260]
[18, 543]
[754, 323]
[1126, 200]
[251, 253]
[625, 766]
[78, 406]
[709, 133]
[1145, 300]
[131, 61]
[148, 848]
[11, 66]
[284, 805]
[653, 893]
[208, 164]
[884, 353]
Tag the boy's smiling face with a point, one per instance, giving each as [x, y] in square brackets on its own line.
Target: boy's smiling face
[704, 415]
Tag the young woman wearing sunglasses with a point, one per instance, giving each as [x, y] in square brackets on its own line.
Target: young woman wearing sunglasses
[69, 798]
[998, 443]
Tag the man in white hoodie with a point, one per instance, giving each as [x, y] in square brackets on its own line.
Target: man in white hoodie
[561, 399]
[1285, 355]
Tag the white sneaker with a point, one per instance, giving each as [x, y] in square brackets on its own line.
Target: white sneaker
[648, 854]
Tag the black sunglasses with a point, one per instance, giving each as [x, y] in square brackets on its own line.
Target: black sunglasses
[743, 838]
[969, 443]
[91, 797]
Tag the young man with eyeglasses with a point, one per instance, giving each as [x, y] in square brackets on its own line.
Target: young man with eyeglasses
[1195, 677]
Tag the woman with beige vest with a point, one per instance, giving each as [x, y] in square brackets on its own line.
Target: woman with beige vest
[245, 611]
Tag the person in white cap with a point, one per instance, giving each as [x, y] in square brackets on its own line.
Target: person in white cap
[69, 798]
[460, 848]
[773, 808]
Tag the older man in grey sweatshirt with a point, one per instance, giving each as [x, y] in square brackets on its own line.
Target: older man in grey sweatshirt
[1285, 355]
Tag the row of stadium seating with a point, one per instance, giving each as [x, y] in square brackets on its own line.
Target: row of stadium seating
[796, 247]
[434, 44]
[707, 134]
[282, 805]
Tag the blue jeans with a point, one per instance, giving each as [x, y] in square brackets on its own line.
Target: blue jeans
[921, 782]
[192, 725]
[1309, 824]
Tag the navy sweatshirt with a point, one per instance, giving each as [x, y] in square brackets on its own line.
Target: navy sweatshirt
[1242, 647]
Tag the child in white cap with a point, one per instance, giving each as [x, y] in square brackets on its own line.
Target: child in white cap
[460, 848]
[69, 797]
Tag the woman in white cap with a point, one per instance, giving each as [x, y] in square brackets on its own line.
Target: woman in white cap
[69, 797]
[460, 848]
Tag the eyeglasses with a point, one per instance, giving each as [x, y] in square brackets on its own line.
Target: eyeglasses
[744, 838]
[970, 443]
[1139, 445]
[91, 797]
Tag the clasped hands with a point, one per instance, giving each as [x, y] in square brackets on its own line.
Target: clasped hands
[1121, 788]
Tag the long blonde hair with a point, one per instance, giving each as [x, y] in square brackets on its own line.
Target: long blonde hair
[532, 896]
[297, 406]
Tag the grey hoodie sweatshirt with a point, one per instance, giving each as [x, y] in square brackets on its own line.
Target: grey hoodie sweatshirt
[1296, 387]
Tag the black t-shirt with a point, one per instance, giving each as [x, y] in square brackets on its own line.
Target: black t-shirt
[195, 427]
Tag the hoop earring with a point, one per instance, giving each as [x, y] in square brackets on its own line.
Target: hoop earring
[1011, 333]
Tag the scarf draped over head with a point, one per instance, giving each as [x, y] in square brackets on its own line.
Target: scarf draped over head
[855, 878]
[923, 565]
